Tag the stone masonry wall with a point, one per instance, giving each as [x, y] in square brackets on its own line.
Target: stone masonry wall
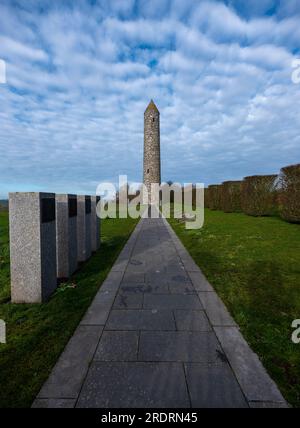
[152, 172]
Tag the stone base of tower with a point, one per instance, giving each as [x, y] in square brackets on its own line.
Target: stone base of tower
[151, 195]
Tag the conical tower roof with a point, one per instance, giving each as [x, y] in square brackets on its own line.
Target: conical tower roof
[152, 106]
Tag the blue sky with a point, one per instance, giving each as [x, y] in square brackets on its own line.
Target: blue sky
[81, 73]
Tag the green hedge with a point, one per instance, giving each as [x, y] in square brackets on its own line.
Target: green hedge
[231, 196]
[214, 197]
[258, 195]
[289, 200]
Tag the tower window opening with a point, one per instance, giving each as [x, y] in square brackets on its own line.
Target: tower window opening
[153, 119]
[148, 171]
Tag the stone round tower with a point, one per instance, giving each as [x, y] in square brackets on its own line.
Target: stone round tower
[151, 146]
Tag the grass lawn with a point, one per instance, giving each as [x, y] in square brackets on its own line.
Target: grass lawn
[254, 265]
[37, 334]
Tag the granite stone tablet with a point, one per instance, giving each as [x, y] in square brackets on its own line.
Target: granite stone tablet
[83, 228]
[95, 224]
[66, 235]
[32, 229]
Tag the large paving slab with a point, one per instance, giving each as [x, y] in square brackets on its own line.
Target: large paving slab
[69, 372]
[118, 346]
[185, 346]
[215, 309]
[191, 320]
[134, 385]
[54, 403]
[258, 387]
[157, 335]
[129, 301]
[213, 386]
[140, 319]
[171, 301]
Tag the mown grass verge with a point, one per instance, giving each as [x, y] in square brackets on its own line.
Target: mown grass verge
[37, 334]
[254, 265]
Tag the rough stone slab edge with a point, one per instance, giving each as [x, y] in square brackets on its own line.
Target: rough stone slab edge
[200, 282]
[268, 405]
[186, 258]
[256, 384]
[99, 309]
[53, 403]
[220, 307]
[188, 261]
[110, 279]
[111, 284]
[215, 309]
[121, 262]
[64, 357]
[259, 403]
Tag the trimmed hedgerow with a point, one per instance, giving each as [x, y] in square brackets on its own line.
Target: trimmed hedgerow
[214, 197]
[231, 196]
[289, 201]
[258, 195]
[206, 197]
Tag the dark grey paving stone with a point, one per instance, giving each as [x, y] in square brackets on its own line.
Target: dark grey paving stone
[136, 261]
[179, 346]
[117, 346]
[181, 288]
[212, 386]
[135, 265]
[136, 288]
[70, 370]
[171, 301]
[188, 262]
[157, 288]
[132, 287]
[52, 403]
[200, 282]
[134, 276]
[112, 282]
[128, 301]
[216, 311]
[127, 250]
[180, 278]
[134, 385]
[157, 278]
[119, 266]
[174, 262]
[98, 311]
[153, 261]
[252, 376]
[187, 320]
[114, 277]
[175, 269]
[140, 320]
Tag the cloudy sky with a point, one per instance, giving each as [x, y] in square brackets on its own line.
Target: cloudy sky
[80, 74]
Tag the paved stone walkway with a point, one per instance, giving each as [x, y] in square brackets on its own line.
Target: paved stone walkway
[157, 335]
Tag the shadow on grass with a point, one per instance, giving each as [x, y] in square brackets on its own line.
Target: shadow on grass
[38, 333]
[253, 263]
[263, 305]
[269, 304]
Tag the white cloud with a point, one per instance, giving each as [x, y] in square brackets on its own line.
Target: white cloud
[11, 48]
[80, 78]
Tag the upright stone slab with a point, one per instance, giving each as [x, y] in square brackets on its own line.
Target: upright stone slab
[66, 235]
[95, 224]
[32, 232]
[84, 248]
